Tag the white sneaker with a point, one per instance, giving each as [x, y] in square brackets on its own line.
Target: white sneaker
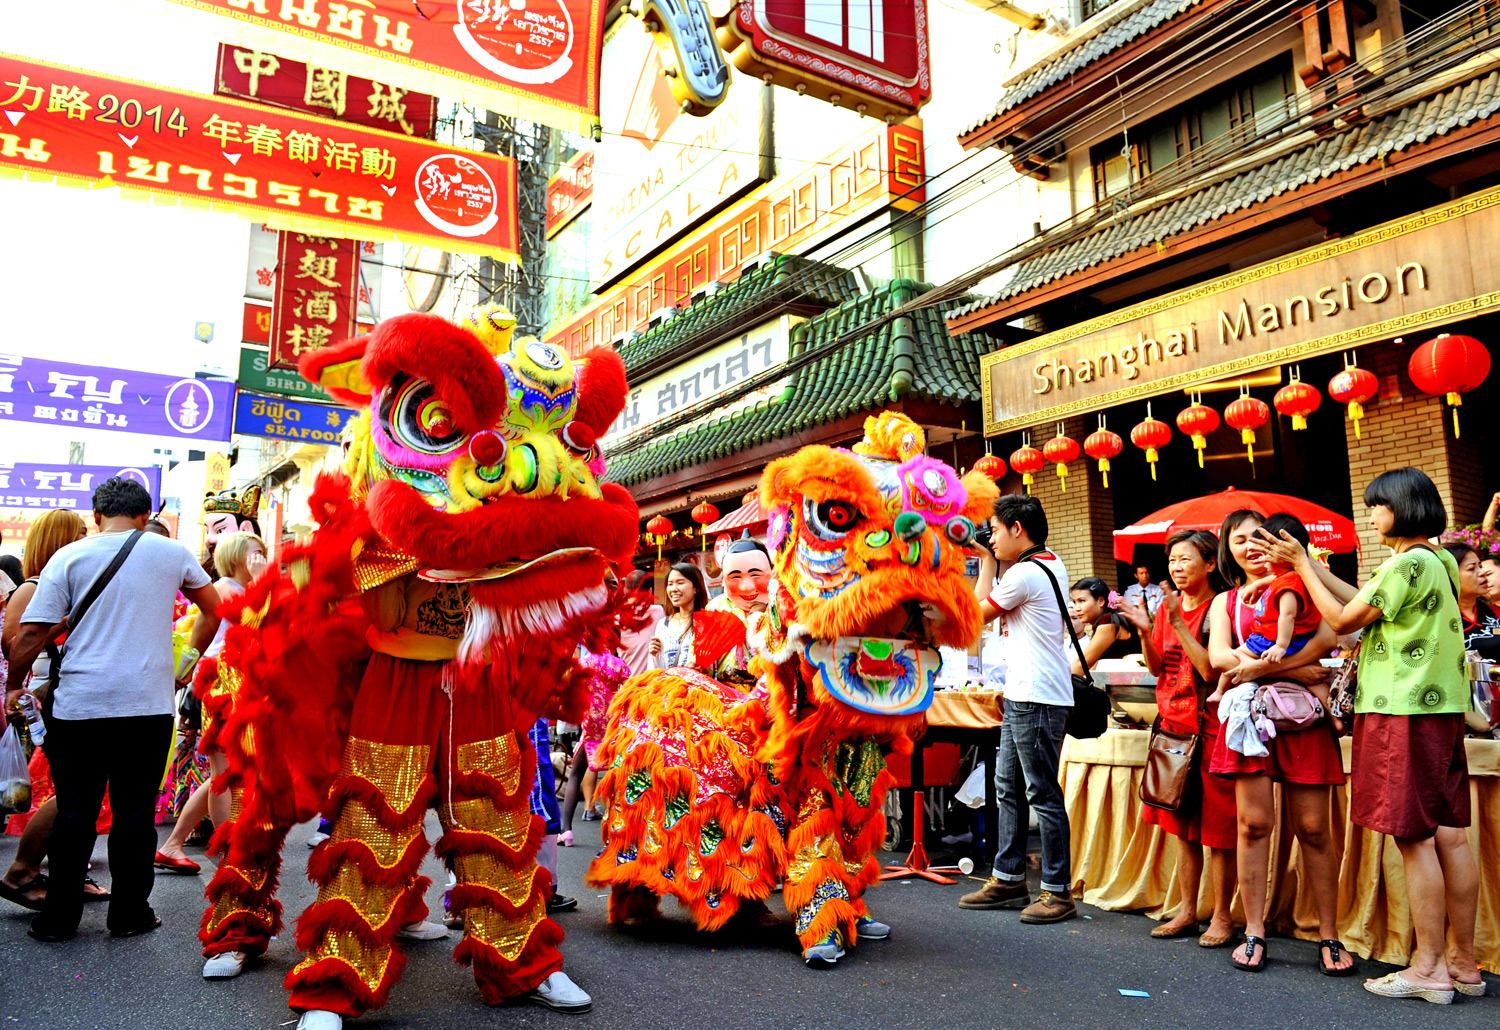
[559, 993]
[422, 931]
[225, 966]
[320, 1019]
[317, 838]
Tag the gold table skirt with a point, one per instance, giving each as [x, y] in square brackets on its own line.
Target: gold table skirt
[1122, 864]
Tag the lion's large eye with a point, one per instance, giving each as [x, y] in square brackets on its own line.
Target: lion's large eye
[831, 520]
[415, 417]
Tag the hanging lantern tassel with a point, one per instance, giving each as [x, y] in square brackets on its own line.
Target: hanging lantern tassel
[1197, 421]
[661, 528]
[1247, 414]
[1299, 400]
[1061, 450]
[1027, 460]
[1150, 436]
[1449, 365]
[1351, 388]
[1103, 445]
[704, 514]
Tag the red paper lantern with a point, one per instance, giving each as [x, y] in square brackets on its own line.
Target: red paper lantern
[1299, 400]
[1061, 450]
[991, 465]
[1198, 421]
[1151, 436]
[1247, 414]
[703, 515]
[1103, 444]
[1449, 364]
[1027, 460]
[661, 528]
[1352, 387]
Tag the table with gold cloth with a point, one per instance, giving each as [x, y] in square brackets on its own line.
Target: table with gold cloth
[1122, 864]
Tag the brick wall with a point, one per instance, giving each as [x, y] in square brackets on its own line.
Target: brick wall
[1404, 426]
[1081, 520]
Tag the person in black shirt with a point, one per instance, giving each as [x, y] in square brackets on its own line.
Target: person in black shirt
[1110, 633]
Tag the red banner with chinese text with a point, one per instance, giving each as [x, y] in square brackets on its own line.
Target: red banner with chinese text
[570, 191]
[268, 79]
[537, 60]
[291, 171]
[316, 286]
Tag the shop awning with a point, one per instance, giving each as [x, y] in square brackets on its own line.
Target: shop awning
[746, 516]
[1328, 530]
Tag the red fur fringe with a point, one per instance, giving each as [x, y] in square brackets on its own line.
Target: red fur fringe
[323, 864]
[339, 914]
[446, 355]
[499, 981]
[479, 895]
[311, 987]
[472, 842]
[600, 378]
[355, 787]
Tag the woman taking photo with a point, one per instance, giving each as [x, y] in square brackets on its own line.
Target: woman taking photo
[1175, 654]
[1410, 776]
[1480, 620]
[672, 644]
[1306, 763]
[1110, 633]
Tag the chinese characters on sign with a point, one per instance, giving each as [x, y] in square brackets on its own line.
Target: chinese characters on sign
[67, 486]
[280, 82]
[260, 274]
[289, 420]
[570, 191]
[58, 393]
[315, 291]
[288, 170]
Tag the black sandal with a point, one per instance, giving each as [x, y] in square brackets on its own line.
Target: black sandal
[1334, 950]
[100, 895]
[1251, 943]
[17, 895]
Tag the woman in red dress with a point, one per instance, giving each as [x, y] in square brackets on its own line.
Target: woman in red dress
[1175, 653]
[1307, 764]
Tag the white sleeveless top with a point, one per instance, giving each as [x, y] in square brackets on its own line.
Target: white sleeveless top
[217, 644]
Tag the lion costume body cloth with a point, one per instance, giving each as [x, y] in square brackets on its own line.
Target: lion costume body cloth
[715, 795]
[384, 671]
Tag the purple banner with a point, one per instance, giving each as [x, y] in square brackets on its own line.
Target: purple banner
[114, 399]
[68, 486]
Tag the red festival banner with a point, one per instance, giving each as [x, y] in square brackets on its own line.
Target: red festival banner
[570, 191]
[268, 79]
[291, 171]
[537, 60]
[255, 326]
[316, 288]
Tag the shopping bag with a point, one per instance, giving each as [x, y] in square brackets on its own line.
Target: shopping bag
[15, 781]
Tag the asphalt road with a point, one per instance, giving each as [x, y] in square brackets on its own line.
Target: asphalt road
[943, 967]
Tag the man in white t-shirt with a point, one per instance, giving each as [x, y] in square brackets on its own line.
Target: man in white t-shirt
[1038, 700]
[109, 719]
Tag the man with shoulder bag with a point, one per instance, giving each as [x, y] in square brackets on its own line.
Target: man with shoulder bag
[109, 712]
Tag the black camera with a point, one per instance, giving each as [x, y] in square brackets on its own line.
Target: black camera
[983, 534]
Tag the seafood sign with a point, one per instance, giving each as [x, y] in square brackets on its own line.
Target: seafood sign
[289, 420]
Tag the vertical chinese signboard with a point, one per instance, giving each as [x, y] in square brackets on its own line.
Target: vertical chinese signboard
[315, 295]
[570, 191]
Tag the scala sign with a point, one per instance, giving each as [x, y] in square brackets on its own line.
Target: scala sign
[68, 486]
[868, 55]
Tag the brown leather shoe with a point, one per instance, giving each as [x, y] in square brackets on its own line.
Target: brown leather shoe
[1049, 908]
[997, 893]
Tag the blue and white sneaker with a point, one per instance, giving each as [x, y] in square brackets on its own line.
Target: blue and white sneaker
[872, 929]
[826, 952]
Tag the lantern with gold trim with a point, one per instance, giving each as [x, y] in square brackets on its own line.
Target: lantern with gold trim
[661, 528]
[1247, 414]
[991, 465]
[703, 514]
[1197, 421]
[1151, 436]
[1449, 364]
[1028, 461]
[1297, 399]
[1061, 450]
[1103, 444]
[1351, 388]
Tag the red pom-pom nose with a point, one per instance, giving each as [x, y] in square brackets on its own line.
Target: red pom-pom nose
[578, 437]
[487, 448]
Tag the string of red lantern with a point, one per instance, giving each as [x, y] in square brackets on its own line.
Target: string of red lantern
[703, 514]
[1027, 460]
[991, 465]
[1449, 364]
[1061, 450]
[1298, 400]
[661, 528]
[1197, 421]
[1247, 414]
[1151, 436]
[1351, 388]
[1103, 444]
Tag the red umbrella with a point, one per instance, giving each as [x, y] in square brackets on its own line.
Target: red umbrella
[1332, 532]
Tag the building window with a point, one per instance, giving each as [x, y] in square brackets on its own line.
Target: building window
[1209, 128]
[1089, 8]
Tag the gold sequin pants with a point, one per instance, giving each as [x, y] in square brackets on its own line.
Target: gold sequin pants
[408, 747]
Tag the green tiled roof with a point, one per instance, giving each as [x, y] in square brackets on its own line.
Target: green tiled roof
[853, 379]
[780, 281]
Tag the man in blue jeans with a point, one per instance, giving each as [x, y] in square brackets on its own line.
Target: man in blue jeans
[1038, 700]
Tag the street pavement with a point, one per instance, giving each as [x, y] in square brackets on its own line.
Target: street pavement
[943, 967]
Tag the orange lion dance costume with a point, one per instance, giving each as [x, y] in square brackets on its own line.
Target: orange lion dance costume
[715, 796]
[386, 669]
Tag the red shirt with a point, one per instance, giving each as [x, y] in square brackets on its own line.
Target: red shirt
[1179, 685]
[1268, 612]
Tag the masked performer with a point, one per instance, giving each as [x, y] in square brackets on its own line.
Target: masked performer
[714, 796]
[386, 668]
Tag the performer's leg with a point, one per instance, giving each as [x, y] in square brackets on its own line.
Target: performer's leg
[819, 890]
[243, 913]
[368, 868]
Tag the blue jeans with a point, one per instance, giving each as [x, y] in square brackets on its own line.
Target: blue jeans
[1026, 778]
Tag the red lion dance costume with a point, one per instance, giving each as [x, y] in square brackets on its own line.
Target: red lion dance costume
[386, 670]
[715, 796]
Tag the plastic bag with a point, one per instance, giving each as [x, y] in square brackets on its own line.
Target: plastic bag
[972, 791]
[15, 781]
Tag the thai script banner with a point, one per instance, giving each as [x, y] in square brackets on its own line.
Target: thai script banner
[291, 171]
[59, 393]
[16, 523]
[537, 60]
[25, 485]
[289, 420]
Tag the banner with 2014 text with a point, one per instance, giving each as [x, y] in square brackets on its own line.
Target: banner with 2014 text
[291, 171]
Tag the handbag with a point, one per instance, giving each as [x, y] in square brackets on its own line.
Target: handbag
[1089, 716]
[1289, 706]
[1171, 768]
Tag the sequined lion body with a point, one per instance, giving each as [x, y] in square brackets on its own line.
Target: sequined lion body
[715, 795]
[383, 669]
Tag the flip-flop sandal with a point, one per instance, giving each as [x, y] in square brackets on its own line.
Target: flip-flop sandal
[99, 894]
[1394, 985]
[1251, 943]
[17, 895]
[1335, 950]
[1165, 933]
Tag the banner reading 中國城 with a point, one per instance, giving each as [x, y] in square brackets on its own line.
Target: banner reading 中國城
[289, 420]
[24, 485]
[537, 60]
[114, 399]
[291, 171]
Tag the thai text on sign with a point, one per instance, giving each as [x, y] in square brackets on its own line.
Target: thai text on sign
[24, 485]
[269, 79]
[538, 60]
[289, 420]
[59, 393]
[315, 295]
[570, 191]
[288, 170]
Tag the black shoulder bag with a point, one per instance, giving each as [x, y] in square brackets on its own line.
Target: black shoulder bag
[1090, 714]
[76, 615]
